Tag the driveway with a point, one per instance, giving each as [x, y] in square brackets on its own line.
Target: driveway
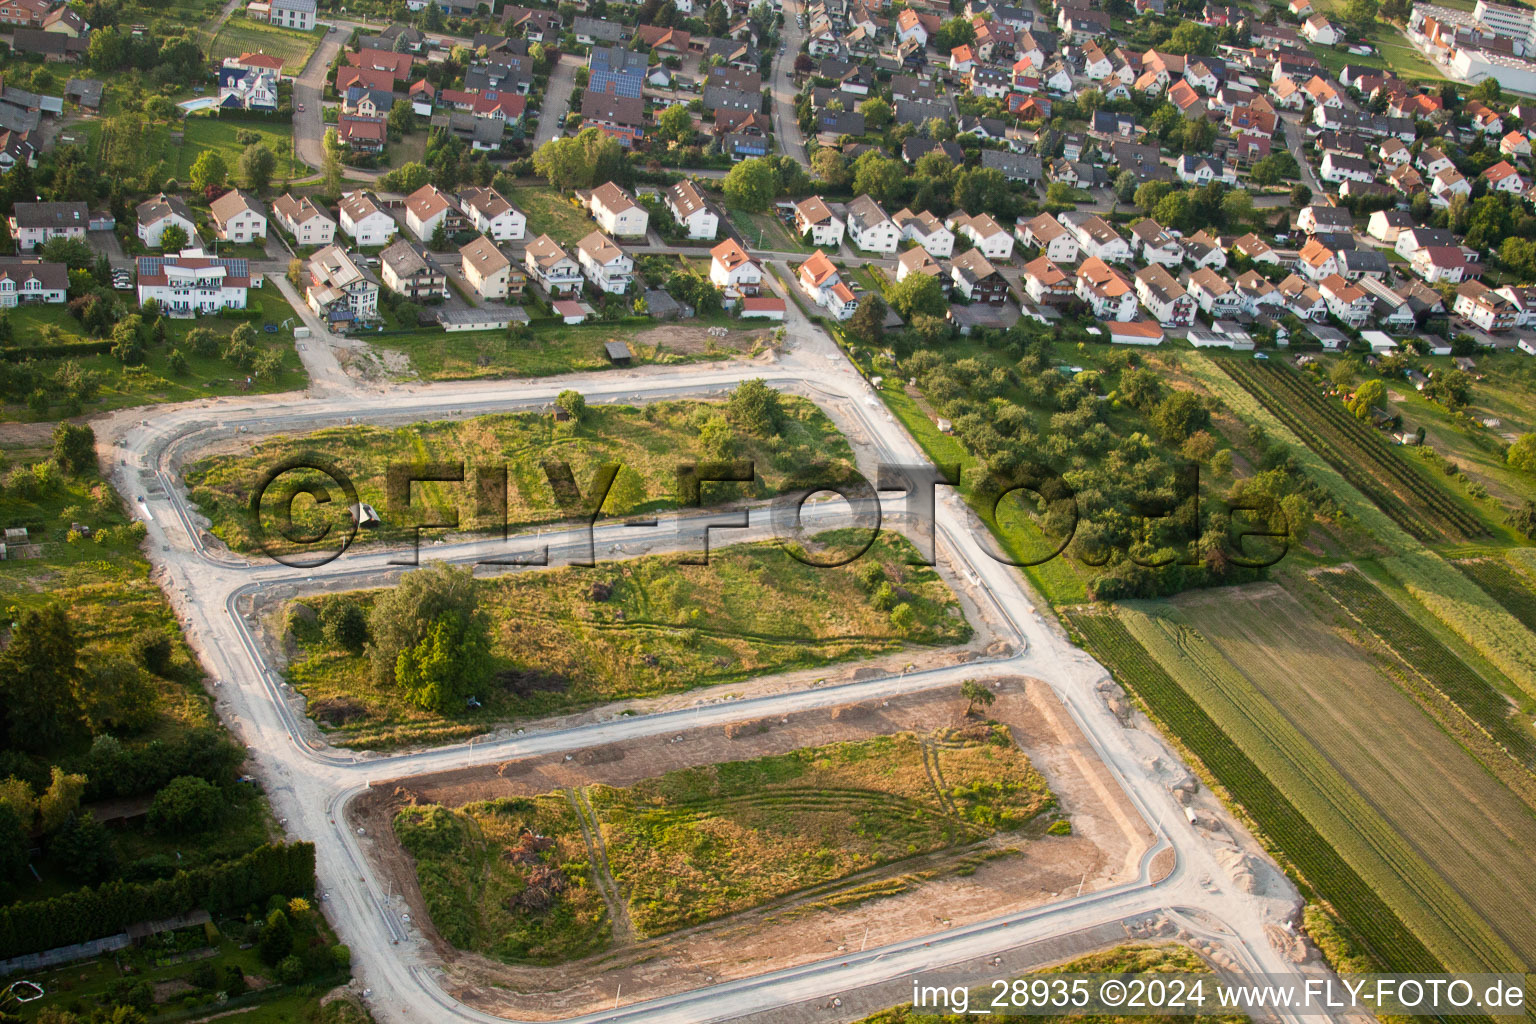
[308, 88]
[791, 141]
[557, 99]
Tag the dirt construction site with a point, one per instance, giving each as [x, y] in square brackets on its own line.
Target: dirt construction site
[1106, 846]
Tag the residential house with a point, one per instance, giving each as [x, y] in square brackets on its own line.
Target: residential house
[870, 229]
[608, 267]
[306, 222]
[1046, 283]
[617, 213]
[1484, 307]
[295, 14]
[364, 222]
[1385, 225]
[491, 214]
[1204, 251]
[692, 212]
[552, 267]
[1347, 302]
[815, 218]
[1502, 177]
[1256, 250]
[32, 224]
[427, 208]
[1095, 237]
[927, 231]
[408, 269]
[819, 279]
[1355, 264]
[1302, 299]
[1164, 298]
[1319, 219]
[24, 282]
[1318, 29]
[1155, 244]
[984, 232]
[917, 261]
[338, 290]
[1106, 291]
[622, 117]
[1439, 263]
[976, 279]
[486, 268]
[1214, 294]
[193, 284]
[734, 272]
[1045, 233]
[162, 212]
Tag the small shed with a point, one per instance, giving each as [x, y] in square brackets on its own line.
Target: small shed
[618, 353]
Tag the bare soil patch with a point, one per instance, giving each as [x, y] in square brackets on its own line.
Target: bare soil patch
[1105, 847]
[690, 341]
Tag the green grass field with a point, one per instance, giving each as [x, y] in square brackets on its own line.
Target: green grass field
[765, 231]
[103, 581]
[205, 133]
[241, 35]
[1342, 849]
[554, 348]
[119, 386]
[651, 442]
[550, 213]
[703, 843]
[563, 639]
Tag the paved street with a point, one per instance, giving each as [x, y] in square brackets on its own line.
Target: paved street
[311, 784]
[557, 98]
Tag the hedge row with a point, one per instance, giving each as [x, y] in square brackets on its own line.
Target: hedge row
[85, 914]
[62, 350]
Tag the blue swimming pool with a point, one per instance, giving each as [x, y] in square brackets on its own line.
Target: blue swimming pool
[201, 103]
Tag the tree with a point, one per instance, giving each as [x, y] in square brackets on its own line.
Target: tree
[878, 176]
[983, 190]
[1367, 397]
[209, 170]
[39, 671]
[174, 238]
[1343, 374]
[573, 403]
[1301, 195]
[976, 695]
[752, 184]
[13, 847]
[1522, 453]
[203, 342]
[1179, 415]
[257, 165]
[877, 113]
[1451, 388]
[931, 329]
[580, 161]
[1360, 15]
[676, 123]
[330, 183]
[186, 805]
[114, 693]
[74, 447]
[756, 408]
[439, 242]
[1237, 207]
[867, 324]
[829, 166]
[918, 293]
[83, 848]
[60, 800]
[344, 625]
[401, 119]
[153, 649]
[276, 942]
[1190, 37]
[402, 616]
[448, 665]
